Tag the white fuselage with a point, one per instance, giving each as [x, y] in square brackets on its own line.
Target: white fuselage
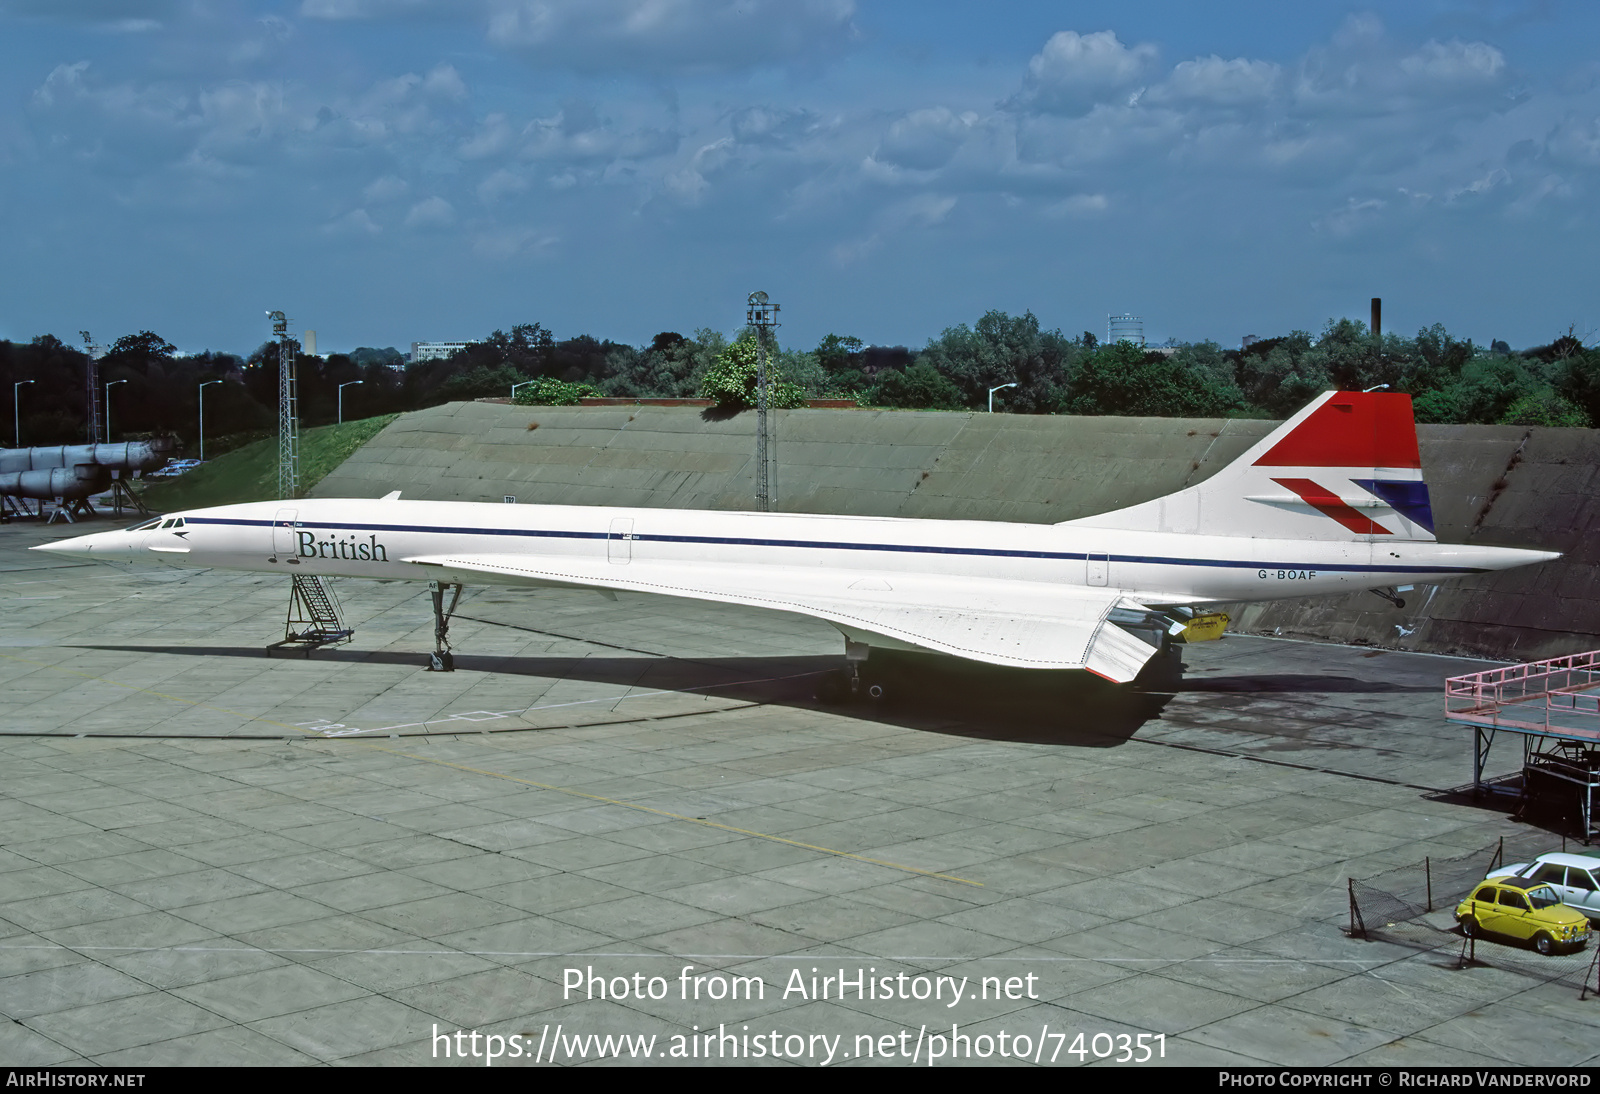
[374, 538]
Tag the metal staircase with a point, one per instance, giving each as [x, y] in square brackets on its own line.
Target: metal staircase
[313, 620]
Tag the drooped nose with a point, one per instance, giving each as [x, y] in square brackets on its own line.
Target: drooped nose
[79, 547]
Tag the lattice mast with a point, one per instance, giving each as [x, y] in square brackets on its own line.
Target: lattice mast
[288, 410]
[763, 316]
[92, 402]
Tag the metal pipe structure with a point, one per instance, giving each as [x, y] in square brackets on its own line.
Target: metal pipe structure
[203, 387]
[75, 471]
[16, 410]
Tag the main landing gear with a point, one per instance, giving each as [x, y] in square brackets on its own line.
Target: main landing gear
[1392, 595]
[441, 660]
[850, 684]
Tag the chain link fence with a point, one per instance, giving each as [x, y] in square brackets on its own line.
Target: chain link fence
[1414, 905]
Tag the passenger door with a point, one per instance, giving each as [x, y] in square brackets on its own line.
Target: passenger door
[283, 549]
[619, 541]
[1512, 913]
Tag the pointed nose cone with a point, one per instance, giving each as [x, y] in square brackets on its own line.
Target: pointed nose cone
[79, 547]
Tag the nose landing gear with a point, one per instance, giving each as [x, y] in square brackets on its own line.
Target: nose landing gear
[441, 659]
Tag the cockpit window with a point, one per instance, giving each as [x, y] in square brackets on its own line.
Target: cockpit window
[179, 524]
[145, 527]
[168, 523]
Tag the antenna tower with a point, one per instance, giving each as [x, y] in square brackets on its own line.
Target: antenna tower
[92, 403]
[288, 410]
[763, 316]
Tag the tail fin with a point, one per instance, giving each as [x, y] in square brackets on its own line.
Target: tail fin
[1344, 468]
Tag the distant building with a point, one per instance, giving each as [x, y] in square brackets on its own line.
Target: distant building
[1124, 328]
[1247, 341]
[435, 351]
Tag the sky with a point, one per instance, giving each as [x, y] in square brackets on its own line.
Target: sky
[390, 171]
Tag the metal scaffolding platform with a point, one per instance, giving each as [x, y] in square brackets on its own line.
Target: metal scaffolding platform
[313, 618]
[1555, 706]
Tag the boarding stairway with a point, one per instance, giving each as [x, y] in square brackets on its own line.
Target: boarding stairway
[313, 619]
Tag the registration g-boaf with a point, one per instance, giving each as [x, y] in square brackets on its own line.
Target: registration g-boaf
[1332, 501]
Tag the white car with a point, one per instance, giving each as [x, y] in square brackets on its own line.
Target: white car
[1574, 877]
[173, 468]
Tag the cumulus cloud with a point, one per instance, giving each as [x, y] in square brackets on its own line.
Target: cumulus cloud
[633, 36]
[1211, 80]
[387, 9]
[578, 134]
[1363, 72]
[773, 126]
[1455, 62]
[125, 15]
[1576, 141]
[495, 136]
[501, 185]
[670, 35]
[1075, 71]
[431, 213]
[354, 224]
[1079, 206]
[924, 140]
[387, 188]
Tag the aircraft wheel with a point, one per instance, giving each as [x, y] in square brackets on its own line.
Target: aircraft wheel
[441, 662]
[875, 692]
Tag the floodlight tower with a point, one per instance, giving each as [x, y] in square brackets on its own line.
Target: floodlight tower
[763, 316]
[92, 402]
[288, 410]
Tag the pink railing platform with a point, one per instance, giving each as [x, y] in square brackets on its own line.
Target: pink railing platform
[1555, 698]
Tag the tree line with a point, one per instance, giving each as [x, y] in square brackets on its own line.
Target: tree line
[156, 389]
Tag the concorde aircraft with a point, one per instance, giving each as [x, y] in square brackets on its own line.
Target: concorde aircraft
[1332, 501]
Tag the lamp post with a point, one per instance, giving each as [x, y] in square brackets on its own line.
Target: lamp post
[524, 383]
[16, 410]
[992, 390]
[353, 383]
[203, 387]
[109, 386]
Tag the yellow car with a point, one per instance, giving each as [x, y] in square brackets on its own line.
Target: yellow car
[1526, 910]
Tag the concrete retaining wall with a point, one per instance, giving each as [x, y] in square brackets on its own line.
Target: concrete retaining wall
[1500, 485]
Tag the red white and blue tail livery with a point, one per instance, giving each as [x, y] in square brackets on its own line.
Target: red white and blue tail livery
[1333, 501]
[1347, 466]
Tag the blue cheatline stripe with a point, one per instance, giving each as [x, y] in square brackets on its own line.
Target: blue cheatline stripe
[829, 545]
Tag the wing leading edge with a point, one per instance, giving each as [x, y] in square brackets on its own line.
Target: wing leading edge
[1015, 624]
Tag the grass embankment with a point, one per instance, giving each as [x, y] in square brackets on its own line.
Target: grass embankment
[251, 473]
